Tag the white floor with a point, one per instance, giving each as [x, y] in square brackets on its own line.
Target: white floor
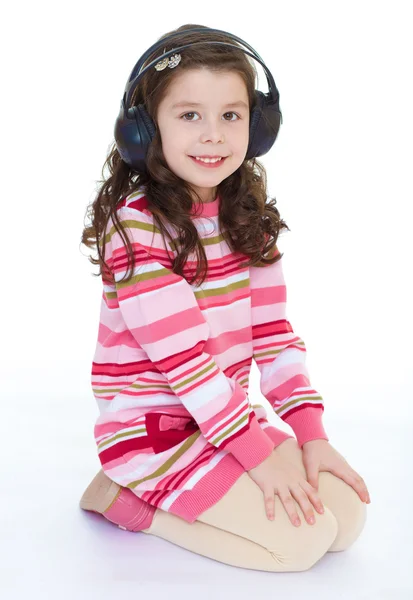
[49, 546]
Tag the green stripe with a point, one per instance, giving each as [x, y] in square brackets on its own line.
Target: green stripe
[275, 351]
[268, 352]
[222, 290]
[143, 277]
[135, 386]
[225, 434]
[196, 376]
[121, 435]
[210, 241]
[292, 402]
[110, 295]
[139, 386]
[105, 391]
[216, 239]
[164, 468]
[132, 224]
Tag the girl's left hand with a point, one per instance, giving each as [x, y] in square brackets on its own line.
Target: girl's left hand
[319, 455]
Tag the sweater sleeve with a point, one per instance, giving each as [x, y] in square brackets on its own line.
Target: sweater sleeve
[280, 355]
[160, 310]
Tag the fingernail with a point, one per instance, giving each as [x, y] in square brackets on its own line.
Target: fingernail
[311, 520]
[297, 522]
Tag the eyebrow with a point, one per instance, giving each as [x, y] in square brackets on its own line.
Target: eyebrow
[184, 103]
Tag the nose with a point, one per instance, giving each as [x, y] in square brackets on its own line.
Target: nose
[212, 132]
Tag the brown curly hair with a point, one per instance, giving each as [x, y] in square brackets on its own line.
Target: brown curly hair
[248, 223]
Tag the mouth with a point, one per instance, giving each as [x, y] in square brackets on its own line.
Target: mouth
[209, 162]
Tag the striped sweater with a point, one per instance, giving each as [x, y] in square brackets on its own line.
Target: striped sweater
[171, 368]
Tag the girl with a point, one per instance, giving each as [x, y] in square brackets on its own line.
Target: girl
[186, 455]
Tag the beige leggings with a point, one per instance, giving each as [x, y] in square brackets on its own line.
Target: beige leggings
[236, 530]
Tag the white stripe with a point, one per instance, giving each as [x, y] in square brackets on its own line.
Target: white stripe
[226, 281]
[121, 402]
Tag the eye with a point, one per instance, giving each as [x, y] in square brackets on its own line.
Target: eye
[232, 113]
[191, 113]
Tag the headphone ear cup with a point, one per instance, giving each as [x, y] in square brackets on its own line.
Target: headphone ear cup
[133, 135]
[265, 121]
[147, 121]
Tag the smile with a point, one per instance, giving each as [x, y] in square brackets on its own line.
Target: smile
[208, 162]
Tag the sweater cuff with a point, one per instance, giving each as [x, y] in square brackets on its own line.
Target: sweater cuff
[307, 424]
[251, 447]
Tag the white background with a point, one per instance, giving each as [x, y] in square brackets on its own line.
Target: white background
[341, 170]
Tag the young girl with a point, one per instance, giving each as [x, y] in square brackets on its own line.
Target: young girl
[193, 291]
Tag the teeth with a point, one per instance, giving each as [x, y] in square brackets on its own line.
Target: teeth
[208, 160]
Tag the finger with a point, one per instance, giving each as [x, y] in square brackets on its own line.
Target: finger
[269, 500]
[289, 505]
[313, 496]
[359, 485]
[354, 480]
[302, 499]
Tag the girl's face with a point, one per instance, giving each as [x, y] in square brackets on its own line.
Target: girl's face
[204, 114]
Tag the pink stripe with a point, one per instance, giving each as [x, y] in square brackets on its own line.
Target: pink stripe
[159, 330]
[161, 282]
[110, 338]
[268, 295]
[228, 339]
[285, 389]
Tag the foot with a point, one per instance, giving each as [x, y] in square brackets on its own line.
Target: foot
[117, 504]
[100, 494]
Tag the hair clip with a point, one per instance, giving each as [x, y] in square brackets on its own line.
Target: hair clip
[170, 62]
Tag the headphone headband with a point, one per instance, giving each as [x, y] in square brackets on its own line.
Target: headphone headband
[160, 42]
[138, 72]
[130, 86]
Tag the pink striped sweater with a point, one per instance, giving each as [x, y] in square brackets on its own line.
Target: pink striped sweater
[172, 362]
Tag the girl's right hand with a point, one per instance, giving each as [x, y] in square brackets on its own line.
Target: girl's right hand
[275, 475]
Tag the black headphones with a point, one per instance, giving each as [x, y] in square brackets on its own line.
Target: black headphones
[134, 128]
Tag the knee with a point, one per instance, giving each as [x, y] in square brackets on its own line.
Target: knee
[349, 529]
[306, 544]
[346, 505]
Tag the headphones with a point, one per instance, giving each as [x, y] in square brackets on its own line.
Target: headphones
[135, 129]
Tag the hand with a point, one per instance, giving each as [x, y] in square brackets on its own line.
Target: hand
[275, 475]
[319, 455]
